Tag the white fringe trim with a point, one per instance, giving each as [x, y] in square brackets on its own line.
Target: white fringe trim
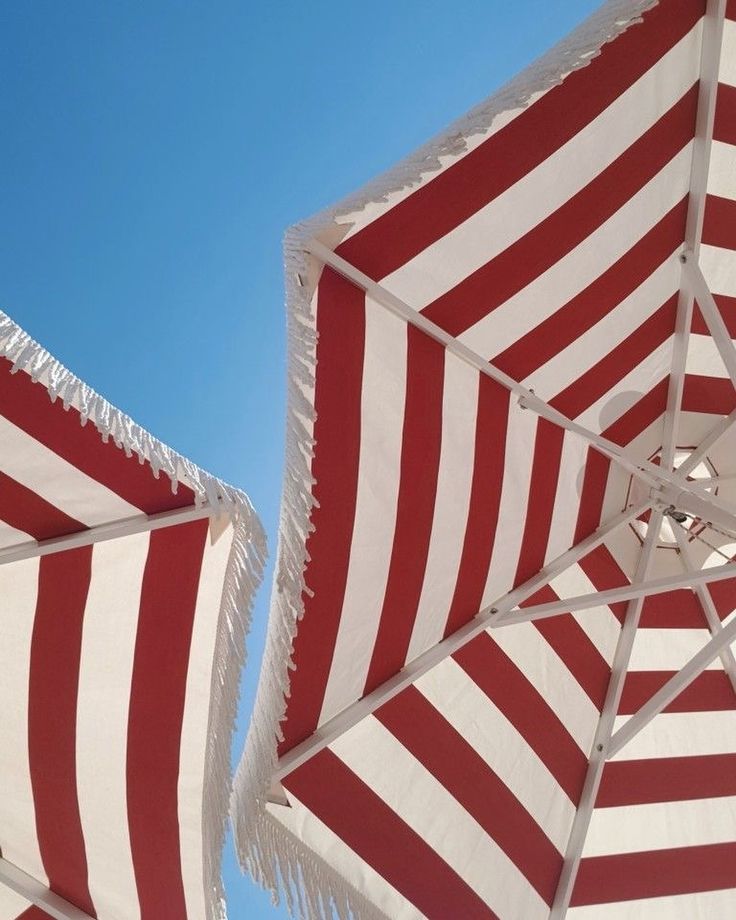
[243, 574]
[273, 856]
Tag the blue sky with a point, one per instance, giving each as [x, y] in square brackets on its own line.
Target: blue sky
[154, 153]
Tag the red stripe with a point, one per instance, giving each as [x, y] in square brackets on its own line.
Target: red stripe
[420, 460]
[517, 266]
[25, 510]
[455, 194]
[709, 395]
[599, 299]
[673, 610]
[574, 647]
[667, 779]
[27, 405]
[727, 309]
[724, 126]
[158, 685]
[603, 376]
[604, 572]
[467, 777]
[527, 710]
[590, 509]
[34, 913]
[480, 532]
[709, 692]
[719, 222]
[337, 402]
[377, 834]
[730, 9]
[640, 416]
[63, 583]
[654, 874]
[724, 596]
[541, 501]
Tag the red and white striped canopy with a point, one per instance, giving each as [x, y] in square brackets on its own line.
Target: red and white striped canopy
[512, 693]
[123, 607]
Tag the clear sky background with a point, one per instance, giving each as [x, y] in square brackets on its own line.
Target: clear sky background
[152, 155]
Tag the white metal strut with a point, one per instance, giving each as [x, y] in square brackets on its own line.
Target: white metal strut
[34, 891]
[353, 714]
[655, 476]
[99, 534]
[602, 738]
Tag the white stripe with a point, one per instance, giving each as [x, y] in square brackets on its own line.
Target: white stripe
[547, 673]
[719, 269]
[12, 905]
[476, 717]
[681, 734]
[519, 457]
[35, 466]
[196, 729]
[629, 390]
[661, 826]
[18, 841]
[357, 220]
[454, 481]
[583, 265]
[567, 496]
[431, 811]
[318, 837]
[668, 649]
[569, 364]
[727, 71]
[598, 623]
[705, 905]
[444, 264]
[105, 673]
[9, 536]
[382, 418]
[722, 171]
[703, 357]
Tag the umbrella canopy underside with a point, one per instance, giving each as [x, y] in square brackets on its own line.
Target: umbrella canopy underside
[120, 653]
[524, 364]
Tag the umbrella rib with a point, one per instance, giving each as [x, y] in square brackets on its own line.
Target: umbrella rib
[655, 476]
[706, 602]
[673, 688]
[111, 531]
[34, 891]
[712, 316]
[353, 714]
[604, 731]
[616, 595]
[710, 56]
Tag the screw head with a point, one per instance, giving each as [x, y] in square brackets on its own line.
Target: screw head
[683, 258]
[599, 747]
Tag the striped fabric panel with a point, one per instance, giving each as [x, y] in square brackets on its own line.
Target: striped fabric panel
[550, 248]
[108, 810]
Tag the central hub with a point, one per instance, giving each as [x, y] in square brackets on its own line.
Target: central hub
[704, 472]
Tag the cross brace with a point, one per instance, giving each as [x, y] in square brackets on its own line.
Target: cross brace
[710, 506]
[34, 891]
[103, 532]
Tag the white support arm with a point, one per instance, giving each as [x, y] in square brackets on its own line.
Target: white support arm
[655, 476]
[616, 595]
[597, 760]
[712, 316]
[112, 531]
[706, 602]
[350, 716]
[673, 688]
[32, 890]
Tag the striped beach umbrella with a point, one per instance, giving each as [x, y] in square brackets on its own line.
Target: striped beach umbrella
[126, 575]
[499, 680]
